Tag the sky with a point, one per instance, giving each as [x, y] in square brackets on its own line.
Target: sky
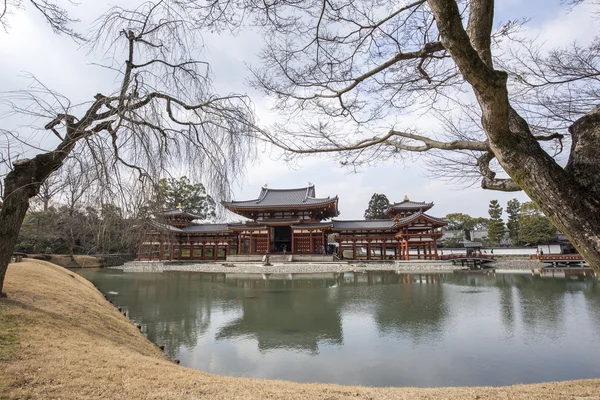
[29, 47]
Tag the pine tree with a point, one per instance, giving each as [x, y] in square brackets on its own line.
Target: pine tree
[172, 193]
[495, 224]
[378, 204]
[513, 209]
[534, 226]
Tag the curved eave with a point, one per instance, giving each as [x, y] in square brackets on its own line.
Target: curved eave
[409, 209]
[233, 206]
[248, 228]
[409, 220]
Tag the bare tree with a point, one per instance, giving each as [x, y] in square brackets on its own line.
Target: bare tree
[53, 12]
[348, 73]
[163, 113]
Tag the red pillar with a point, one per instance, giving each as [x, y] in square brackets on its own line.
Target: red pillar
[312, 245]
[215, 250]
[239, 248]
[268, 239]
[293, 249]
[368, 250]
[354, 249]
[251, 244]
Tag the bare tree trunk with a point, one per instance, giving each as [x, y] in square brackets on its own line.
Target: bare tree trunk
[570, 197]
[21, 184]
[12, 213]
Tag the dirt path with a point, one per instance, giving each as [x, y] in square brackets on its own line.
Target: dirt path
[70, 343]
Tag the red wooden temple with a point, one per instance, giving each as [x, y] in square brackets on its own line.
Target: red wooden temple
[294, 222]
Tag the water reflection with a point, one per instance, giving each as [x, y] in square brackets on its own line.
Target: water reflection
[279, 317]
[371, 328]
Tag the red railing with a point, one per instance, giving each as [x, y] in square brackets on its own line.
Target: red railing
[556, 257]
[464, 255]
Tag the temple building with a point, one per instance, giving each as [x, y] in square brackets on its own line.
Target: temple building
[295, 223]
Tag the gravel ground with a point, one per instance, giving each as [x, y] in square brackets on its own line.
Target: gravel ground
[298, 267]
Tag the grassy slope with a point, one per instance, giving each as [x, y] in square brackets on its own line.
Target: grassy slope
[66, 341]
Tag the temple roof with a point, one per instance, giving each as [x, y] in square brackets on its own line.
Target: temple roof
[206, 228]
[179, 212]
[382, 223]
[282, 197]
[364, 224]
[408, 205]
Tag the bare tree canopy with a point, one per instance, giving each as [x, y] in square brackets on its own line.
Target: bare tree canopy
[498, 108]
[54, 13]
[163, 113]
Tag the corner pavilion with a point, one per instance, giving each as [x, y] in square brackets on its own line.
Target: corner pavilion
[295, 223]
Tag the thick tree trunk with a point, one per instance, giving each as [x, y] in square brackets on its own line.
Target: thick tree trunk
[570, 197]
[12, 213]
[21, 184]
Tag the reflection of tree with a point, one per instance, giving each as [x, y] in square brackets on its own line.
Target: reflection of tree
[278, 317]
[541, 302]
[540, 299]
[592, 296]
[505, 286]
[173, 308]
[415, 307]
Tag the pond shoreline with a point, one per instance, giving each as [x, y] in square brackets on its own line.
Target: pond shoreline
[330, 267]
[73, 344]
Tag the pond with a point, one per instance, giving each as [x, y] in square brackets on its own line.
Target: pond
[374, 329]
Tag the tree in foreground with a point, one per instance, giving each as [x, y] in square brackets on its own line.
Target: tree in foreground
[495, 224]
[163, 112]
[534, 226]
[378, 205]
[349, 71]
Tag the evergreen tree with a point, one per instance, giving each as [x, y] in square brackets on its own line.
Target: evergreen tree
[378, 204]
[495, 223]
[513, 209]
[465, 223]
[172, 193]
[534, 226]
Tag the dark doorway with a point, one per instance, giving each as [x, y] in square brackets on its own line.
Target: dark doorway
[281, 239]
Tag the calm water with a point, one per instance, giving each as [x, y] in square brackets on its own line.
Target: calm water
[378, 329]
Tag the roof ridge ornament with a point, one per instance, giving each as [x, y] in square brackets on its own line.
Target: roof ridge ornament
[406, 197]
[179, 206]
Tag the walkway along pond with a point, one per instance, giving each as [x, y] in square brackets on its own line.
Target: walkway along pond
[374, 329]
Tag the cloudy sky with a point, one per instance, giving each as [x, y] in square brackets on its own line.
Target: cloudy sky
[29, 47]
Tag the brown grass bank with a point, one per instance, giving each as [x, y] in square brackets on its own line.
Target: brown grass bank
[79, 261]
[66, 341]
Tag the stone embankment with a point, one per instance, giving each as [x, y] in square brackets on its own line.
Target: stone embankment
[306, 268]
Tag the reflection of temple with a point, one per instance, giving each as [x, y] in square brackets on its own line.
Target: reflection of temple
[278, 319]
[296, 223]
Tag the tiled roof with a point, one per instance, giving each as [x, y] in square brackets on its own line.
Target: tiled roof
[312, 225]
[206, 228]
[411, 205]
[164, 226]
[380, 223]
[179, 211]
[282, 197]
[364, 224]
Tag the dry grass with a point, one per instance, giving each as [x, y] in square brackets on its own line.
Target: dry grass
[65, 261]
[72, 344]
